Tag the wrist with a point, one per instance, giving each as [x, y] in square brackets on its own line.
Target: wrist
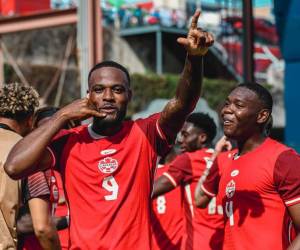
[193, 57]
[199, 52]
[60, 118]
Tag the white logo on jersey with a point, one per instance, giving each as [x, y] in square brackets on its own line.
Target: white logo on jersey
[235, 172]
[108, 151]
[230, 189]
[108, 165]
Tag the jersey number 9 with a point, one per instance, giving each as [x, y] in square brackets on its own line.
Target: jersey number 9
[109, 184]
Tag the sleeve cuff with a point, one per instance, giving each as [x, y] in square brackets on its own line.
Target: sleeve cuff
[207, 192]
[292, 202]
[171, 179]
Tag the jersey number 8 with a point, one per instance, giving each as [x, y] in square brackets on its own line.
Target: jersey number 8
[161, 204]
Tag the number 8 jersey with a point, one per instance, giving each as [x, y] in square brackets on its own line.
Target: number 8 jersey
[204, 227]
[108, 182]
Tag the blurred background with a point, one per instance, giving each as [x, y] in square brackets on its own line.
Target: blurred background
[52, 44]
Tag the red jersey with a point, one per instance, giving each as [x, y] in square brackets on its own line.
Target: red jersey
[167, 218]
[204, 226]
[255, 190]
[60, 211]
[108, 183]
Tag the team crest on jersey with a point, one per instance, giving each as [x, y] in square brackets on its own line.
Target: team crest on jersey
[108, 165]
[230, 189]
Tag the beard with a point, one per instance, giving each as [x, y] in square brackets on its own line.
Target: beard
[109, 122]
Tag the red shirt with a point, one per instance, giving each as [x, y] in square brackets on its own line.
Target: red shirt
[167, 218]
[255, 190]
[204, 226]
[108, 182]
[60, 211]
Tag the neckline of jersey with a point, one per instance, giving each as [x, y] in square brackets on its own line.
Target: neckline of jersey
[93, 134]
[236, 156]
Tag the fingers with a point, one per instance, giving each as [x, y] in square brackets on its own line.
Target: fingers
[227, 143]
[197, 38]
[210, 39]
[195, 18]
[183, 41]
[203, 38]
[93, 109]
[95, 113]
[90, 104]
[228, 146]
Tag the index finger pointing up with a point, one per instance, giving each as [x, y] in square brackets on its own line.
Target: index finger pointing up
[195, 19]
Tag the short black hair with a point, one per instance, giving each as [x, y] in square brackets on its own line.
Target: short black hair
[204, 122]
[44, 112]
[268, 126]
[262, 93]
[110, 64]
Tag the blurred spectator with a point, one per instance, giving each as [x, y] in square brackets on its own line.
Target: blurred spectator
[138, 13]
[165, 17]
[174, 17]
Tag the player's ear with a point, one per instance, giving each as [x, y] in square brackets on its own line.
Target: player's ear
[88, 95]
[263, 116]
[202, 138]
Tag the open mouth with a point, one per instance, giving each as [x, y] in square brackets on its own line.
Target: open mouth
[227, 122]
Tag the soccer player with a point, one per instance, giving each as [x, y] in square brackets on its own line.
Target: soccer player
[42, 199]
[167, 218]
[108, 166]
[259, 185]
[17, 104]
[204, 228]
[59, 204]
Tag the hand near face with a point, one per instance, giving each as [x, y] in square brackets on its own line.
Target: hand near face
[223, 144]
[81, 109]
[197, 41]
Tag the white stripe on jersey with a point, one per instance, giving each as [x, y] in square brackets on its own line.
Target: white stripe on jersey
[207, 192]
[290, 202]
[157, 165]
[160, 132]
[188, 193]
[52, 156]
[170, 178]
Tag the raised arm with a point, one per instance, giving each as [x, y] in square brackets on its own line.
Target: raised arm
[188, 90]
[30, 154]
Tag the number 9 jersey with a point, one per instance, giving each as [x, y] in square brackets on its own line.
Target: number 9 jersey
[108, 183]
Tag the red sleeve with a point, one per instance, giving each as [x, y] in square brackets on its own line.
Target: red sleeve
[287, 177]
[153, 132]
[211, 184]
[57, 145]
[36, 186]
[180, 170]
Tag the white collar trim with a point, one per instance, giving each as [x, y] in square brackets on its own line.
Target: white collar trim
[93, 134]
